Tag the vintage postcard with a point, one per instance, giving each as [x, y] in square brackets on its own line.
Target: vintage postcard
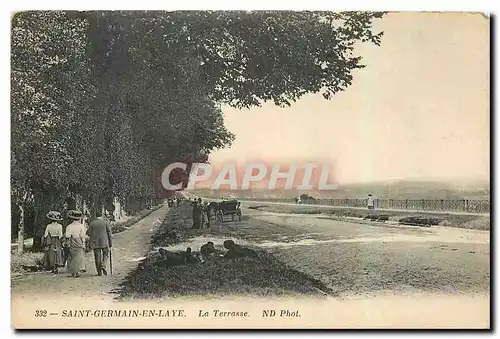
[250, 170]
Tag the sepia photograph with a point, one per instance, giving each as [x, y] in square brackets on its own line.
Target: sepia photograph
[250, 169]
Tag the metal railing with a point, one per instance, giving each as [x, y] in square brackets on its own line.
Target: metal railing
[447, 205]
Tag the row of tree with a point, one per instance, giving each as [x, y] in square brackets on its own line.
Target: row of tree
[102, 101]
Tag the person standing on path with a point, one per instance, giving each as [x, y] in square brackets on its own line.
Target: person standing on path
[370, 202]
[197, 214]
[208, 207]
[52, 241]
[75, 237]
[100, 242]
[203, 207]
[85, 222]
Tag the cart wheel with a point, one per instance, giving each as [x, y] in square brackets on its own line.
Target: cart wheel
[232, 217]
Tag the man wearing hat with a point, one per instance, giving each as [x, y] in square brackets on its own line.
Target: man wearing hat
[52, 239]
[100, 242]
[75, 237]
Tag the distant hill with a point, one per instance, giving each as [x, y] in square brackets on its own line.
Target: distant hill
[395, 190]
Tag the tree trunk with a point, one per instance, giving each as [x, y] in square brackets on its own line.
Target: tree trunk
[37, 225]
[20, 230]
[93, 207]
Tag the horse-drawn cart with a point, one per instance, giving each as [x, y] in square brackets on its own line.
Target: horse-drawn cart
[231, 207]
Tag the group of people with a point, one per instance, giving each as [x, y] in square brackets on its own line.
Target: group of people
[165, 259]
[174, 201]
[201, 214]
[67, 248]
[233, 251]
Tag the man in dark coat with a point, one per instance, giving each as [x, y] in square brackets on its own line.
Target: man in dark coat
[100, 242]
[207, 250]
[197, 212]
[237, 251]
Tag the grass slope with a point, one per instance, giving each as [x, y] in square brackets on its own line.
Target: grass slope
[263, 276]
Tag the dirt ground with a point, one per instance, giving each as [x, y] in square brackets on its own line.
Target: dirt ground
[364, 259]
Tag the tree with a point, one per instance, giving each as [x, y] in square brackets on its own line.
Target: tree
[249, 56]
[102, 101]
[47, 53]
[235, 58]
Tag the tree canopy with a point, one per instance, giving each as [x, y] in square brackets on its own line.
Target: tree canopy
[102, 100]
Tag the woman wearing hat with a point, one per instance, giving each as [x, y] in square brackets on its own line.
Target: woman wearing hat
[52, 241]
[75, 237]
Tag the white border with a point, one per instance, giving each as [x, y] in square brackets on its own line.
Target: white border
[424, 5]
[11, 6]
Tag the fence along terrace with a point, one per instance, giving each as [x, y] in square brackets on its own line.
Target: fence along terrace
[445, 205]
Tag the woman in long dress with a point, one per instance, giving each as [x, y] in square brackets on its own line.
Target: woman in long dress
[52, 240]
[203, 215]
[75, 237]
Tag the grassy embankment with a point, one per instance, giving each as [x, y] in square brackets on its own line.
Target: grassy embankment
[263, 276]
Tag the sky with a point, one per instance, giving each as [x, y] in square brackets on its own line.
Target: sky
[419, 110]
